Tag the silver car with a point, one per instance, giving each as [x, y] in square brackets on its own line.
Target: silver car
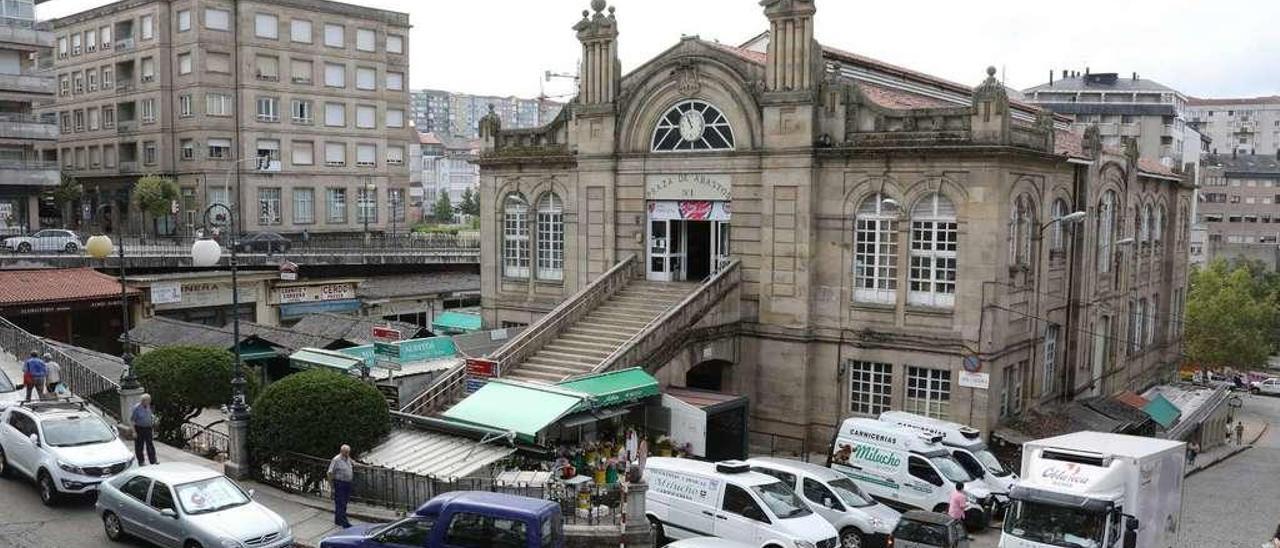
[180, 505]
[47, 240]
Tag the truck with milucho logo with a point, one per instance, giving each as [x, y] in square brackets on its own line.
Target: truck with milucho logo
[1096, 490]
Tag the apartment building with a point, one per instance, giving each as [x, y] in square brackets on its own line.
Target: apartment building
[1240, 206]
[459, 114]
[1121, 107]
[292, 112]
[448, 165]
[1244, 126]
[24, 173]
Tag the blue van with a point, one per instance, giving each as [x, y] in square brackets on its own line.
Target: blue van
[464, 519]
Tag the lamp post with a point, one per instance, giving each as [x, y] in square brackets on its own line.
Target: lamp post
[204, 253]
[99, 247]
[1068, 219]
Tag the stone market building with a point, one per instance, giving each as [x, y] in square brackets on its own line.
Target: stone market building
[861, 237]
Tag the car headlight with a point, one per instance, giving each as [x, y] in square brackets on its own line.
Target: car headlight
[876, 523]
[71, 468]
[229, 543]
[805, 544]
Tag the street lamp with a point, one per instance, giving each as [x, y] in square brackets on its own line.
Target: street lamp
[99, 247]
[1068, 219]
[206, 252]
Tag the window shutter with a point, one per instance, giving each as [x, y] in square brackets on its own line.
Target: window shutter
[303, 154]
[366, 154]
[335, 114]
[366, 78]
[300, 31]
[365, 116]
[395, 117]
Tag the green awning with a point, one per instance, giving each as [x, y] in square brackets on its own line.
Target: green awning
[256, 350]
[524, 409]
[1162, 411]
[315, 357]
[615, 387]
[456, 322]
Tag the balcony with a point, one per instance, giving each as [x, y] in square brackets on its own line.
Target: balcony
[1132, 129]
[27, 126]
[29, 173]
[24, 83]
[126, 126]
[124, 44]
[124, 87]
[128, 166]
[24, 33]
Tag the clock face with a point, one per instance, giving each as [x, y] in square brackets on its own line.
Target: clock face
[692, 125]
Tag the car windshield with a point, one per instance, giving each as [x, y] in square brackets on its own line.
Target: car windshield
[781, 500]
[211, 495]
[991, 463]
[6, 385]
[71, 432]
[950, 468]
[850, 493]
[1055, 525]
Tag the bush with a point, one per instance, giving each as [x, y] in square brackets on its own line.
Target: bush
[183, 381]
[314, 412]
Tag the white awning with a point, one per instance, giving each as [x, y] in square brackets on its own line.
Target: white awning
[435, 454]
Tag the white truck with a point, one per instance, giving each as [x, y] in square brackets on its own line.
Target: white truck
[1097, 490]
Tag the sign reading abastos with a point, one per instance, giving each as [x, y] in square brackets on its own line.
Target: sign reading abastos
[688, 186]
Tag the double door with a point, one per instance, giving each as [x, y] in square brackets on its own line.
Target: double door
[680, 250]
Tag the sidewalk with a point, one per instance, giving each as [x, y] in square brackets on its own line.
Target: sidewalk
[1254, 429]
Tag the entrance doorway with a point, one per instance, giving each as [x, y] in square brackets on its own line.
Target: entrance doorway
[685, 249]
[708, 375]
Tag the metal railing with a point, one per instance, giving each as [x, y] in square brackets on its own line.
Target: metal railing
[405, 491]
[675, 321]
[80, 379]
[204, 440]
[387, 243]
[779, 445]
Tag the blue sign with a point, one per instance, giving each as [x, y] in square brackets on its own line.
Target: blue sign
[474, 384]
[297, 310]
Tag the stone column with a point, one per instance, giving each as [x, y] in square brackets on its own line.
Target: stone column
[637, 533]
[237, 466]
[129, 397]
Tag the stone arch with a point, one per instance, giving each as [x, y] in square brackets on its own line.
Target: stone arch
[709, 374]
[860, 191]
[718, 84]
[952, 190]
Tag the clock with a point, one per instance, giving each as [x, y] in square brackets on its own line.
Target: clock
[692, 124]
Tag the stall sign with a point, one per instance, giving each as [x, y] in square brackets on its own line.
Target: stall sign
[386, 349]
[480, 367]
[166, 293]
[310, 293]
[688, 186]
[429, 348]
[385, 334]
[202, 294]
[684, 486]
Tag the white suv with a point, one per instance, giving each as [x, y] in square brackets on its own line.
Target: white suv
[63, 446]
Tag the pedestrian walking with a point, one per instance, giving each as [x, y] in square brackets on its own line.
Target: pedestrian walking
[955, 508]
[144, 423]
[1239, 432]
[33, 375]
[53, 373]
[340, 475]
[1193, 449]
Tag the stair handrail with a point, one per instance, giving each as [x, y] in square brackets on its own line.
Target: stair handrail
[713, 287]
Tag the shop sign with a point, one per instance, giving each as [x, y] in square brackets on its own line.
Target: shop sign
[385, 334]
[480, 367]
[200, 294]
[975, 380]
[166, 293]
[474, 384]
[688, 487]
[430, 348]
[309, 293]
[688, 186]
[386, 349]
[689, 210]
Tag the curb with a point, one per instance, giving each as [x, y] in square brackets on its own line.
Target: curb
[1265, 426]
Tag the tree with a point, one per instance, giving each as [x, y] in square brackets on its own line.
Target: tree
[443, 210]
[470, 203]
[65, 194]
[184, 381]
[1230, 317]
[155, 195]
[314, 412]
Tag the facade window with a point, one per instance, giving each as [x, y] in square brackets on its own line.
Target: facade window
[334, 35]
[304, 206]
[148, 69]
[395, 81]
[1050, 359]
[149, 153]
[1137, 313]
[366, 78]
[1011, 393]
[300, 31]
[217, 62]
[1157, 225]
[933, 252]
[184, 63]
[1021, 223]
[335, 154]
[366, 155]
[1153, 317]
[63, 51]
[91, 76]
[75, 44]
[1058, 239]
[93, 119]
[335, 75]
[79, 118]
[692, 126]
[148, 111]
[395, 155]
[90, 40]
[104, 33]
[928, 392]
[335, 114]
[302, 153]
[107, 78]
[217, 19]
[64, 85]
[188, 147]
[266, 25]
[366, 116]
[515, 237]
[875, 257]
[78, 78]
[267, 68]
[337, 204]
[65, 117]
[395, 43]
[217, 104]
[1144, 226]
[268, 154]
[219, 149]
[550, 237]
[367, 202]
[108, 117]
[300, 71]
[95, 157]
[366, 40]
[300, 111]
[184, 20]
[1106, 228]
[396, 197]
[184, 106]
[268, 109]
[395, 117]
[870, 388]
[148, 27]
[268, 206]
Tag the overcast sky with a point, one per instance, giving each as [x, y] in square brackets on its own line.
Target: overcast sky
[1219, 48]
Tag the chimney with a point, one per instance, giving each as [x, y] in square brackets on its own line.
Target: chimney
[1135, 77]
[1086, 71]
[1050, 77]
[1064, 74]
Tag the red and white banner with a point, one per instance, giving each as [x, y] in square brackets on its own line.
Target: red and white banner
[688, 210]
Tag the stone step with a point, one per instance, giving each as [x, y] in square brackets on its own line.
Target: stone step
[550, 372]
[559, 346]
[568, 341]
[533, 376]
[568, 357]
[556, 363]
[593, 336]
[627, 326]
[641, 316]
[642, 299]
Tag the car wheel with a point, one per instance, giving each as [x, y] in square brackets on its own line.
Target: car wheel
[111, 524]
[4, 465]
[192, 544]
[1254, 391]
[48, 491]
[71, 247]
[24, 247]
[659, 535]
[975, 520]
[851, 538]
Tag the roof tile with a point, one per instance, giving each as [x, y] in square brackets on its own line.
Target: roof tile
[19, 287]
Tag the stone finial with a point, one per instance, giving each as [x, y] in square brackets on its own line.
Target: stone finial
[598, 5]
[490, 124]
[1131, 148]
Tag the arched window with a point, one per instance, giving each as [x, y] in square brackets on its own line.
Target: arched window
[1058, 239]
[1153, 316]
[1144, 229]
[932, 278]
[550, 237]
[1157, 226]
[1183, 225]
[515, 236]
[1018, 231]
[1106, 226]
[875, 254]
[1138, 316]
[692, 126]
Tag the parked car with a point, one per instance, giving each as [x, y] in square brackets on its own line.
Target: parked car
[181, 505]
[858, 518]
[920, 529]
[263, 242]
[46, 240]
[464, 518]
[64, 447]
[707, 542]
[1270, 387]
[9, 392]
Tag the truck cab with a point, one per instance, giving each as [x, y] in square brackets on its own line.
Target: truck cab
[968, 448]
[464, 519]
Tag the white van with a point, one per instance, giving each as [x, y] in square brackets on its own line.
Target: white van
[905, 468]
[861, 521]
[967, 447]
[688, 498]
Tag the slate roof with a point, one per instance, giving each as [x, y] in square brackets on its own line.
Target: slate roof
[159, 331]
[108, 366]
[412, 285]
[898, 99]
[1082, 83]
[342, 327]
[56, 285]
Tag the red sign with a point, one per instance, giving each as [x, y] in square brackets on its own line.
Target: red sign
[480, 367]
[385, 334]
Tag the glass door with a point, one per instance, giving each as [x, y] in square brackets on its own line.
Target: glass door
[666, 250]
[720, 245]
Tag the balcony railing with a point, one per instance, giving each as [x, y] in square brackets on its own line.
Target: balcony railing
[27, 126]
[29, 173]
[128, 166]
[126, 126]
[124, 44]
[27, 83]
[123, 87]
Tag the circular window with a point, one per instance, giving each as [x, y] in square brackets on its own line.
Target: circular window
[692, 126]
